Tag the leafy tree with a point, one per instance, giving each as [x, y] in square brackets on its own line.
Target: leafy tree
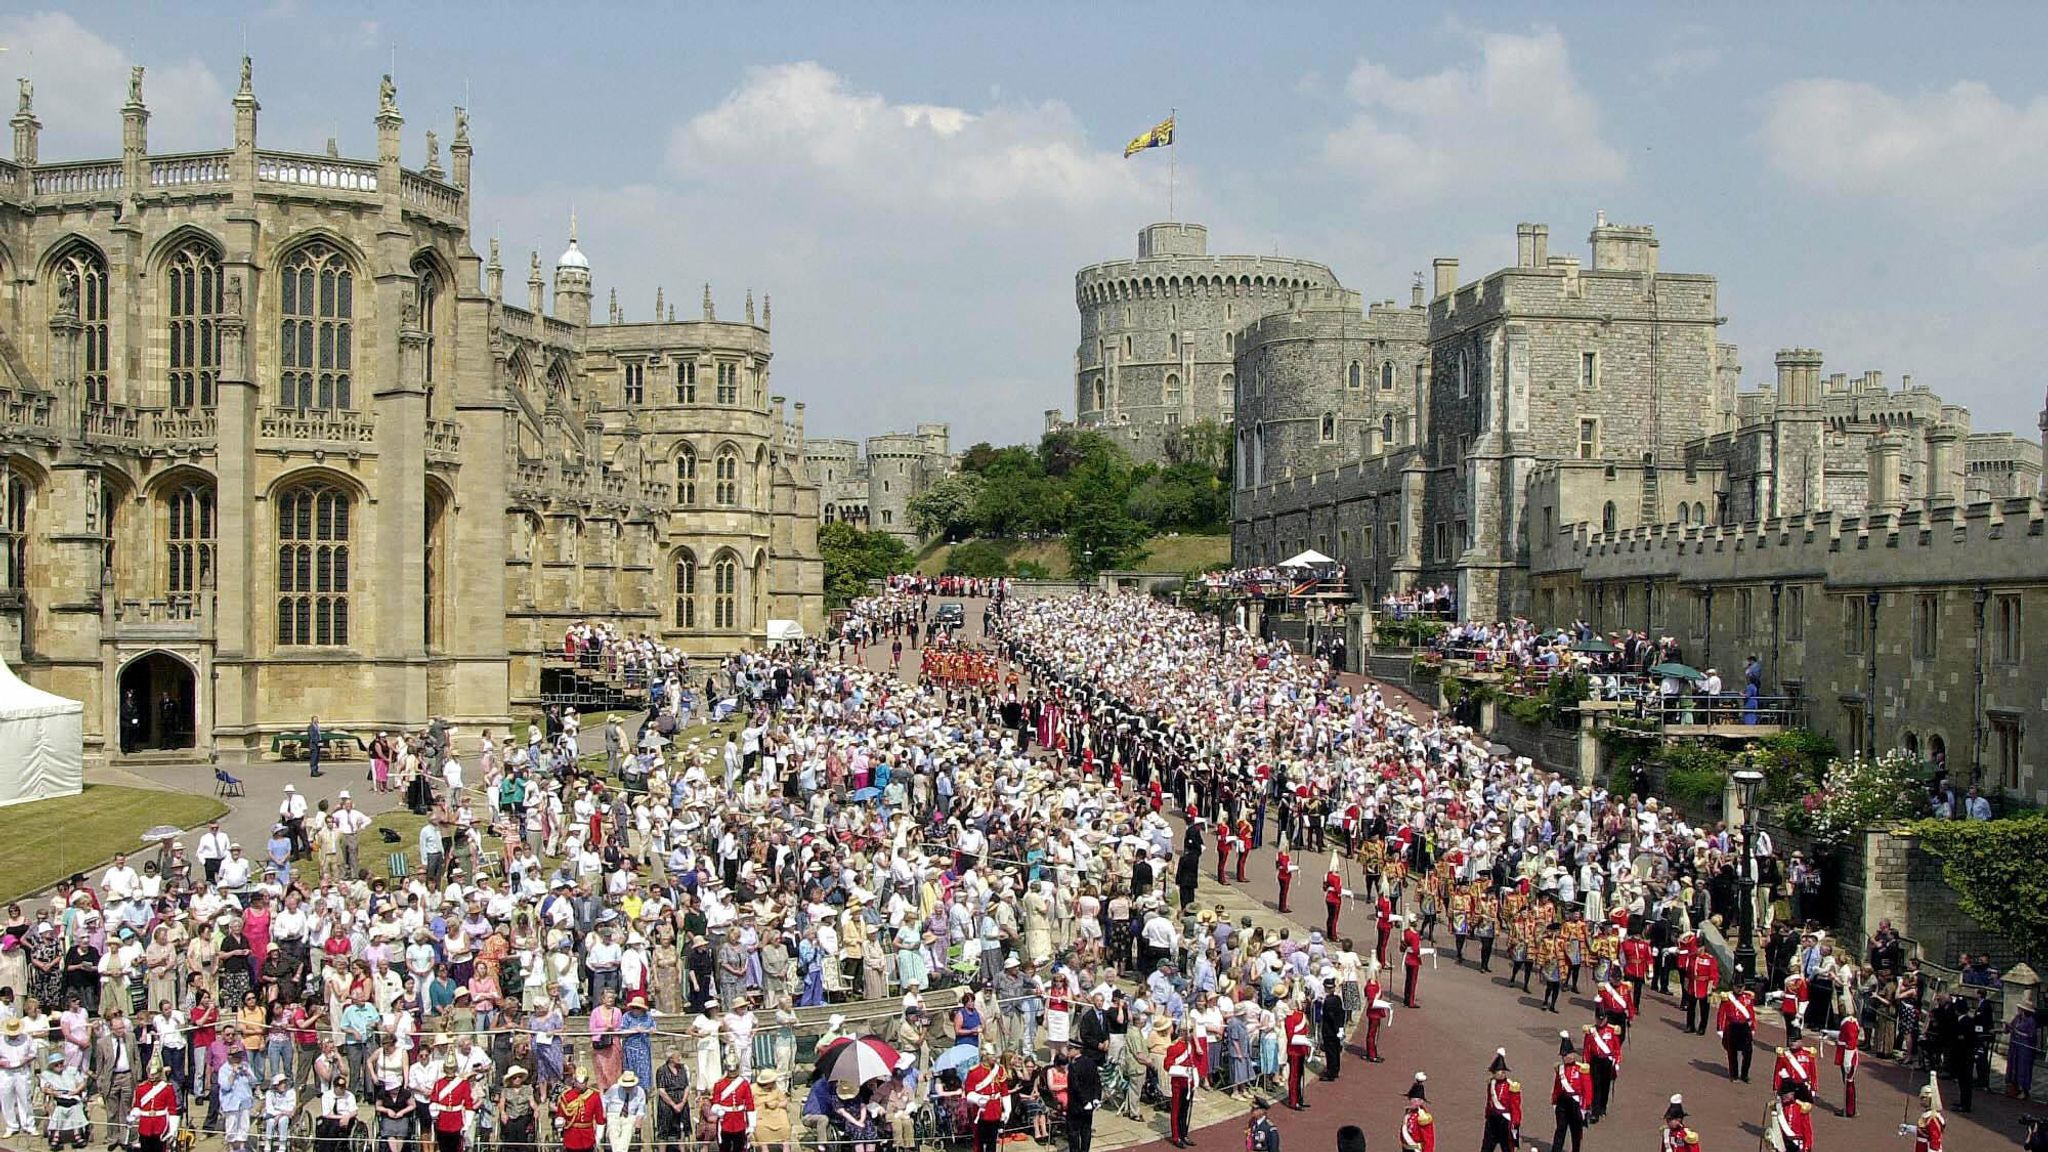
[978, 457]
[1205, 442]
[977, 558]
[853, 557]
[947, 507]
[1069, 450]
[1013, 505]
[1100, 534]
[1995, 868]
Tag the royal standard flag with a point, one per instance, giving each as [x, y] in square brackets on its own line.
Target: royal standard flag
[1159, 136]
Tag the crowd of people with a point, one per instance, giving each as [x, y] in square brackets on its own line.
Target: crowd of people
[1009, 866]
[1438, 603]
[1277, 580]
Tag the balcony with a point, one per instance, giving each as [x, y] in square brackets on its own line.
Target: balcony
[444, 442]
[326, 173]
[25, 415]
[180, 616]
[315, 430]
[195, 169]
[111, 424]
[181, 430]
[434, 198]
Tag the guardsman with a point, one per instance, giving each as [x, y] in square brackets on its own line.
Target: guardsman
[1383, 919]
[1503, 1107]
[1411, 965]
[1244, 853]
[732, 1105]
[1637, 959]
[1792, 1005]
[1461, 921]
[1702, 976]
[449, 1105]
[1418, 1127]
[1183, 1067]
[1681, 965]
[1571, 1091]
[155, 1114]
[1611, 1005]
[1260, 1135]
[1299, 1045]
[579, 1113]
[1796, 1065]
[1333, 898]
[1603, 1056]
[1791, 1120]
[1285, 868]
[1928, 1130]
[1735, 1020]
[1848, 1056]
[1376, 1012]
[984, 1089]
[1677, 1137]
[1226, 839]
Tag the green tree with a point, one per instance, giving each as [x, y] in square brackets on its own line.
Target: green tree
[977, 558]
[853, 557]
[1100, 534]
[978, 457]
[1069, 450]
[947, 507]
[1205, 442]
[1995, 868]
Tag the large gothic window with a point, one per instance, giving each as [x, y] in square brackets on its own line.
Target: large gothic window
[15, 493]
[686, 590]
[82, 276]
[317, 339]
[725, 584]
[426, 298]
[728, 479]
[194, 284]
[188, 560]
[312, 565]
[686, 476]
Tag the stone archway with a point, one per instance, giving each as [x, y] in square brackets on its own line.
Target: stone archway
[159, 704]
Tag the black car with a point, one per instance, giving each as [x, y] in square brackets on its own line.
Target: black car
[951, 614]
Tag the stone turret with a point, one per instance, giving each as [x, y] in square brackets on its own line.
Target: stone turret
[460, 152]
[1883, 457]
[494, 275]
[27, 129]
[1794, 481]
[572, 282]
[535, 286]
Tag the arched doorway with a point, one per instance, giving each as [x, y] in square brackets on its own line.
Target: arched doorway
[159, 704]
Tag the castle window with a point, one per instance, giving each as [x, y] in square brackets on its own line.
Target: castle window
[1589, 369]
[426, 298]
[686, 590]
[1127, 348]
[1852, 625]
[194, 285]
[726, 475]
[1227, 389]
[1172, 389]
[1387, 376]
[888, 517]
[1607, 517]
[15, 490]
[2005, 734]
[188, 563]
[1329, 427]
[1684, 514]
[2005, 630]
[1173, 344]
[725, 584]
[728, 382]
[83, 271]
[1230, 343]
[686, 476]
[636, 384]
[686, 382]
[316, 341]
[1926, 625]
[312, 565]
[1795, 614]
[1386, 430]
[1357, 377]
[1589, 438]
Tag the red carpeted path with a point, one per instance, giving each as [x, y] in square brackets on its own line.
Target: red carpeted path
[1465, 1015]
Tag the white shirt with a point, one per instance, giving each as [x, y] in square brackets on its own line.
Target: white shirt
[214, 846]
[234, 872]
[349, 821]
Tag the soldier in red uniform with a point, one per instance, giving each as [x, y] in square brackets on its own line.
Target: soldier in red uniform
[1735, 1021]
[1182, 1065]
[579, 1113]
[984, 1089]
[1418, 1127]
[1571, 1091]
[1333, 898]
[1612, 1005]
[1383, 919]
[1503, 1108]
[1299, 1045]
[1677, 1137]
[1603, 1057]
[1411, 963]
[450, 1104]
[1702, 975]
[1376, 1011]
[1848, 1056]
[1793, 1119]
[155, 1112]
[1637, 959]
[1244, 845]
[1932, 1125]
[1798, 1066]
[1285, 867]
[1226, 839]
[732, 1106]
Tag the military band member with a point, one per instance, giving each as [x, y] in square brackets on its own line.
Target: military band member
[1418, 1127]
[1677, 1137]
[1503, 1107]
[1735, 1020]
[1571, 1092]
[1848, 1057]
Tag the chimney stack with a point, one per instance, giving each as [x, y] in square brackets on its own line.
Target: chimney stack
[1446, 268]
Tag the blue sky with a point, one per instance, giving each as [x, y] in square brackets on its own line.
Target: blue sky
[916, 184]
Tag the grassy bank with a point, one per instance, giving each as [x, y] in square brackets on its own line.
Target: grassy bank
[1162, 554]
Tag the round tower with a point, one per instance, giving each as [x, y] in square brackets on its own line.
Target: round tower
[572, 282]
[1311, 394]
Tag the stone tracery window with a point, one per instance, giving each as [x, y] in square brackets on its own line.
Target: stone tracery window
[686, 476]
[16, 493]
[727, 477]
[194, 284]
[316, 339]
[725, 581]
[189, 539]
[313, 565]
[83, 273]
[686, 590]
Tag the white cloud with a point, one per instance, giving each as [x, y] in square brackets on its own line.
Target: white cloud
[1959, 148]
[1516, 114]
[803, 123]
[1689, 51]
[81, 81]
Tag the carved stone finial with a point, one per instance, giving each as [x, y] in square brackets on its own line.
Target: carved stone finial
[767, 310]
[387, 96]
[461, 126]
[135, 84]
[710, 313]
[494, 253]
[660, 309]
[248, 78]
[750, 305]
[433, 154]
[26, 106]
[333, 148]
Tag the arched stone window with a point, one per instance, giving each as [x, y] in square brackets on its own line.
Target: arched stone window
[1357, 379]
[727, 478]
[426, 298]
[316, 339]
[16, 493]
[1387, 376]
[686, 589]
[1329, 427]
[194, 286]
[188, 537]
[82, 273]
[1607, 517]
[686, 476]
[312, 565]
[725, 583]
[1386, 430]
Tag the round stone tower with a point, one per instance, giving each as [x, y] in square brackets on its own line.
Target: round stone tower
[572, 283]
[1317, 388]
[1159, 333]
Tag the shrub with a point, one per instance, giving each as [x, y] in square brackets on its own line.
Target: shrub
[1995, 868]
[1858, 794]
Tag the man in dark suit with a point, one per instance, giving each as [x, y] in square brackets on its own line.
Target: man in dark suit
[1084, 1094]
[313, 746]
[1335, 1023]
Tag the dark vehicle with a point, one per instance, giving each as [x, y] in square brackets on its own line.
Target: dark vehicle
[951, 614]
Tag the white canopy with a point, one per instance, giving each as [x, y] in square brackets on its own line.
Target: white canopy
[1306, 559]
[42, 739]
[780, 630]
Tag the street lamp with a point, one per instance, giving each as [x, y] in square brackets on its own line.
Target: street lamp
[1748, 783]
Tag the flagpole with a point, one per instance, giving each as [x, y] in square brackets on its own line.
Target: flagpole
[1173, 118]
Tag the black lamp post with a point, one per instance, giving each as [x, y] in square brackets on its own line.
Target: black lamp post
[1748, 782]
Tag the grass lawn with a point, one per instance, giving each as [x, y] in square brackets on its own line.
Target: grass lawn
[1162, 554]
[44, 841]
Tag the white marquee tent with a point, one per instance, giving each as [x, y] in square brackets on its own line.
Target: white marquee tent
[42, 742]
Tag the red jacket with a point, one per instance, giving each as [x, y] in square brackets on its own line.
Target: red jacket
[1504, 1098]
[1383, 914]
[1927, 1133]
[1614, 998]
[1702, 974]
[1572, 1080]
[1637, 957]
[1418, 1131]
[1739, 1008]
[1795, 1122]
[581, 1113]
[986, 1081]
[453, 1098]
[157, 1103]
[1373, 995]
[1605, 1043]
[1333, 888]
[1795, 1064]
[1411, 948]
[1848, 1044]
[1681, 1140]
[734, 1094]
[1297, 1032]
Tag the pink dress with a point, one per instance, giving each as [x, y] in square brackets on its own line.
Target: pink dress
[256, 926]
[607, 1063]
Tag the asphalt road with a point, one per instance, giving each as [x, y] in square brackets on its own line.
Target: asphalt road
[1464, 1015]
